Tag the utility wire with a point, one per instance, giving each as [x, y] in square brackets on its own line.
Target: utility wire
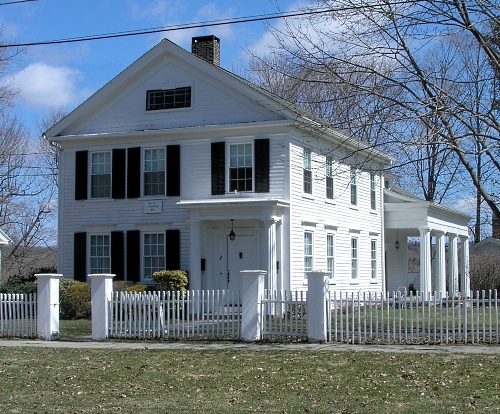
[212, 23]
[16, 2]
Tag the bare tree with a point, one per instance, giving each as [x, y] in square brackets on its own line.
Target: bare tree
[420, 76]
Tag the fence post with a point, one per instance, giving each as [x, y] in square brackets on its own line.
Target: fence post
[102, 294]
[317, 293]
[48, 306]
[252, 291]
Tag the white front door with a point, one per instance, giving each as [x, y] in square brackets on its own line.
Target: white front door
[241, 255]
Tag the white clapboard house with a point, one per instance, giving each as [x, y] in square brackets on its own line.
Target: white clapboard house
[179, 164]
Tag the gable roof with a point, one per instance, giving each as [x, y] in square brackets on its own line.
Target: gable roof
[285, 110]
[4, 239]
[488, 244]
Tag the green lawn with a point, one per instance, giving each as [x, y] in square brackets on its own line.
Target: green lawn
[50, 380]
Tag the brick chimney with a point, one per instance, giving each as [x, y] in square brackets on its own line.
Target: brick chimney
[207, 48]
[495, 226]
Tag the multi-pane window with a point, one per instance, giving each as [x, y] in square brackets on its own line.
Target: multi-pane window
[330, 255]
[373, 191]
[354, 187]
[154, 171]
[100, 253]
[354, 258]
[329, 177]
[100, 174]
[374, 259]
[240, 167]
[307, 170]
[168, 98]
[308, 252]
[154, 253]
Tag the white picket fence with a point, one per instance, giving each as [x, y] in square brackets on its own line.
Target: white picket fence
[284, 315]
[206, 314]
[18, 315]
[376, 318]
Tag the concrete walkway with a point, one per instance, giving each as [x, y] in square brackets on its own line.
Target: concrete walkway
[224, 346]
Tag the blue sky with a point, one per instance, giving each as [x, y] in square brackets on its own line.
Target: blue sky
[64, 75]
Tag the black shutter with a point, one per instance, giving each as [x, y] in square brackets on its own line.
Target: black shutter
[218, 168]
[81, 179]
[118, 174]
[261, 149]
[134, 255]
[134, 173]
[80, 257]
[117, 256]
[173, 170]
[173, 250]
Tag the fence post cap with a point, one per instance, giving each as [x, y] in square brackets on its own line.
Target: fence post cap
[48, 275]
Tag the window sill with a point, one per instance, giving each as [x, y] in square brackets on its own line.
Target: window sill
[99, 200]
[330, 201]
[354, 207]
[374, 282]
[167, 110]
[308, 196]
[354, 282]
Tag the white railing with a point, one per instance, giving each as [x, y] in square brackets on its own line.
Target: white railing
[283, 315]
[207, 314]
[373, 318]
[18, 315]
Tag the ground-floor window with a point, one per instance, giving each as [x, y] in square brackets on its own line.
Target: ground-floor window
[354, 258]
[100, 254]
[154, 253]
[330, 255]
[374, 259]
[308, 252]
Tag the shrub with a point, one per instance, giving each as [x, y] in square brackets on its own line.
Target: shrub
[137, 288]
[122, 285]
[171, 280]
[75, 302]
[19, 284]
[484, 272]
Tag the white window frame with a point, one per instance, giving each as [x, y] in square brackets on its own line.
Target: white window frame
[373, 191]
[330, 256]
[237, 166]
[149, 256]
[101, 169]
[308, 252]
[329, 178]
[353, 184]
[100, 253]
[149, 167]
[374, 259]
[307, 180]
[354, 258]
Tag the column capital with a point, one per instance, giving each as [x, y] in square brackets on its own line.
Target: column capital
[271, 220]
[439, 232]
[464, 238]
[424, 229]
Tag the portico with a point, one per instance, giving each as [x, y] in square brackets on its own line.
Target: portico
[433, 246]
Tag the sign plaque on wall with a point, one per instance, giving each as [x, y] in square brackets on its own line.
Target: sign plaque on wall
[153, 206]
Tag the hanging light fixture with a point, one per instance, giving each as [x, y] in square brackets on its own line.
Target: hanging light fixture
[232, 234]
[397, 244]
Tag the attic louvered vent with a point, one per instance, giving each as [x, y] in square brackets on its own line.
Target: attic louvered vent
[168, 98]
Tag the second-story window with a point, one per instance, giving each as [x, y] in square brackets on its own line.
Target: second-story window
[154, 172]
[354, 187]
[240, 167]
[373, 191]
[307, 170]
[329, 177]
[100, 177]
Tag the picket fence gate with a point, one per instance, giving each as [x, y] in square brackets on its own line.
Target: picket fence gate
[206, 314]
[18, 315]
[397, 318]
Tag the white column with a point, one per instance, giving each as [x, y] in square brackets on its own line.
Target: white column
[464, 266]
[453, 263]
[440, 264]
[252, 291]
[48, 306]
[195, 255]
[425, 260]
[102, 294]
[270, 242]
[317, 293]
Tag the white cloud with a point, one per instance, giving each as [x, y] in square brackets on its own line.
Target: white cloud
[42, 86]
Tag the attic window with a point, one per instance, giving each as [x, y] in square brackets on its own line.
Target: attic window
[168, 98]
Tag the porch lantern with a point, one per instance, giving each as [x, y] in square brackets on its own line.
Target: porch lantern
[232, 234]
[397, 244]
